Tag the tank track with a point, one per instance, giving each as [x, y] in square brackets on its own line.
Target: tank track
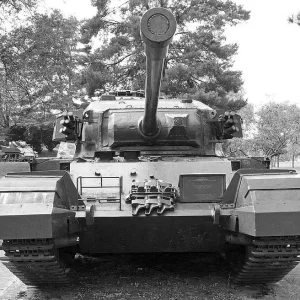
[268, 260]
[35, 262]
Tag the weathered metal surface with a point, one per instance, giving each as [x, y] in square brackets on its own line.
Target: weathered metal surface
[7, 167]
[44, 164]
[35, 220]
[202, 187]
[231, 192]
[37, 206]
[250, 163]
[167, 170]
[24, 220]
[122, 128]
[265, 205]
[150, 195]
[158, 26]
[186, 228]
[166, 233]
[116, 124]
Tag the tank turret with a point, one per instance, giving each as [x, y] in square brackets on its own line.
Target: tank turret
[134, 121]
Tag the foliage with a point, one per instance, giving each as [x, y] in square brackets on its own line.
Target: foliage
[17, 5]
[248, 116]
[238, 147]
[15, 12]
[38, 69]
[199, 61]
[277, 126]
[293, 150]
[295, 19]
[40, 61]
[273, 131]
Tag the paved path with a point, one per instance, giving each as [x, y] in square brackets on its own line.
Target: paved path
[6, 277]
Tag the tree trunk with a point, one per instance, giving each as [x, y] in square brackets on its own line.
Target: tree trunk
[274, 161]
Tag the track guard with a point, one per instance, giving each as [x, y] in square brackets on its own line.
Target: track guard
[261, 203]
[36, 205]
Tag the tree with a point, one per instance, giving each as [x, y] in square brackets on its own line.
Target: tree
[293, 150]
[239, 147]
[11, 14]
[273, 131]
[199, 61]
[248, 116]
[17, 5]
[38, 68]
[15, 12]
[278, 126]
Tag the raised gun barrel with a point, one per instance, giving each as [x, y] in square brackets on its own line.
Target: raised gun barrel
[158, 26]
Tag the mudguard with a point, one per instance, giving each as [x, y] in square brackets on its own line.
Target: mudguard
[262, 203]
[37, 205]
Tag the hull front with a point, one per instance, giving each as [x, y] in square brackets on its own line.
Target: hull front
[145, 234]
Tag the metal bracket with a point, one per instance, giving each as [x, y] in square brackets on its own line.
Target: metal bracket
[218, 212]
[89, 214]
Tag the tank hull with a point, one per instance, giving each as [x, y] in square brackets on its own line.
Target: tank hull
[173, 232]
[168, 169]
[114, 229]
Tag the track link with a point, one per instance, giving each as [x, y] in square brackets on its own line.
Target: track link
[35, 262]
[268, 260]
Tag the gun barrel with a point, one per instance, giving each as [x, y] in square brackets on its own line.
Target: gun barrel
[158, 26]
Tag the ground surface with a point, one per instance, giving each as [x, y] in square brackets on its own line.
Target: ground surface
[162, 276]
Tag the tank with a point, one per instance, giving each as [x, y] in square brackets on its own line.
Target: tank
[148, 176]
[16, 157]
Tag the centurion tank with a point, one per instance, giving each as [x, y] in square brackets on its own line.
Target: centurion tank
[147, 178]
